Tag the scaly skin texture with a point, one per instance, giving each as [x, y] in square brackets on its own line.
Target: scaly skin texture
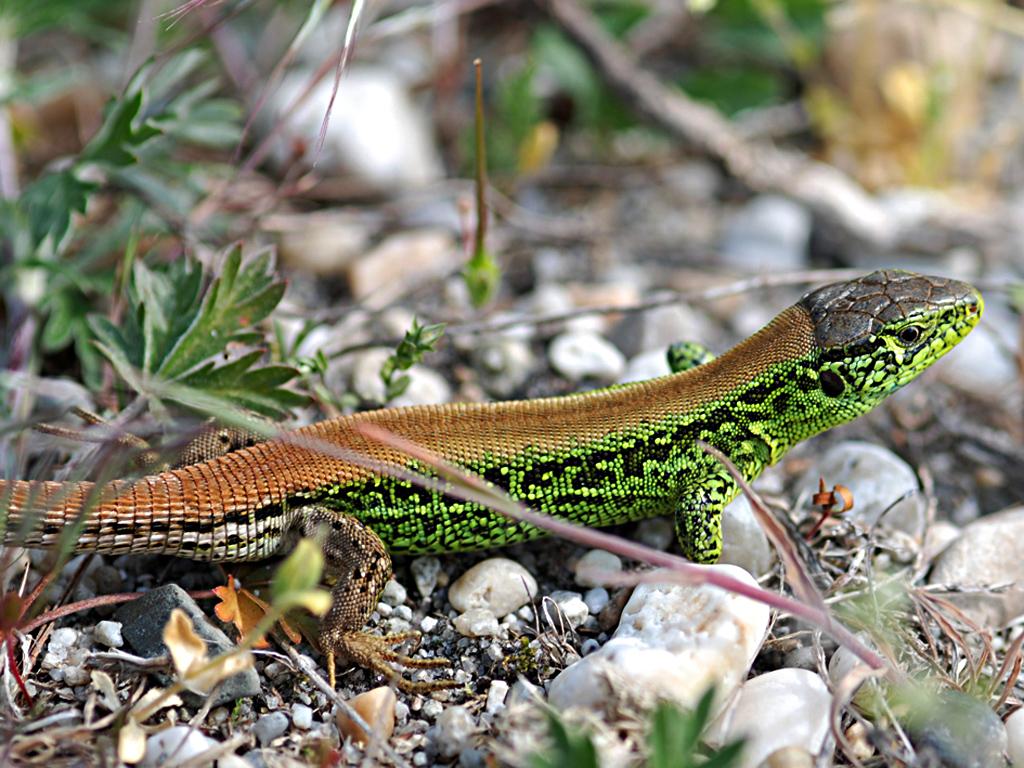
[596, 458]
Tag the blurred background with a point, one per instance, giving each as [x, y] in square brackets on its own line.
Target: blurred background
[307, 208]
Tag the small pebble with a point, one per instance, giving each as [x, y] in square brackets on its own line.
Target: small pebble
[496, 694]
[394, 594]
[454, 727]
[885, 488]
[75, 675]
[988, 551]
[956, 730]
[431, 709]
[181, 741]
[656, 533]
[476, 622]
[596, 560]
[580, 355]
[108, 633]
[571, 608]
[302, 716]
[425, 571]
[1015, 737]
[744, 542]
[377, 708]
[268, 727]
[497, 584]
[596, 599]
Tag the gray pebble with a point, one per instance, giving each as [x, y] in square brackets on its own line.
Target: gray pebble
[957, 730]
[425, 571]
[453, 729]
[394, 594]
[768, 233]
[269, 727]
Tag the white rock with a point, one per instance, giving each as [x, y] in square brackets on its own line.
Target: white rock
[989, 551]
[504, 363]
[75, 675]
[1015, 733]
[939, 535]
[179, 741]
[672, 643]
[784, 708]
[108, 633]
[497, 585]
[570, 607]
[496, 694]
[879, 479]
[302, 716]
[375, 131]
[769, 233]
[426, 387]
[596, 560]
[476, 622]
[581, 354]
[63, 638]
[646, 365]
[743, 540]
[596, 599]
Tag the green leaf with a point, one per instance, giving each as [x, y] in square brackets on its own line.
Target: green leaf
[300, 572]
[239, 298]
[418, 340]
[121, 134]
[569, 749]
[48, 203]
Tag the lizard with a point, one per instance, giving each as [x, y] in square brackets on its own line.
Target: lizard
[597, 458]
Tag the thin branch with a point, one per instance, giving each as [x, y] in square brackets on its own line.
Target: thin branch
[761, 166]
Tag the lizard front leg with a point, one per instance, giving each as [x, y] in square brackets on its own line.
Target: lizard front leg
[357, 558]
[698, 515]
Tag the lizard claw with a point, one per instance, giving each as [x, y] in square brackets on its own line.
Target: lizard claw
[377, 653]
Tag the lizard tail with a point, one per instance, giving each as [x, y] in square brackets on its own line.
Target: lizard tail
[38, 514]
[187, 512]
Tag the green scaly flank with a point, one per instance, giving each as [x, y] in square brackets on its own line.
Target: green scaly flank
[657, 468]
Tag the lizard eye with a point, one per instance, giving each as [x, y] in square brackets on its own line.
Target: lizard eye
[832, 383]
[909, 335]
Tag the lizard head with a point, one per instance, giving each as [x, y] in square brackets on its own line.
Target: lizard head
[878, 332]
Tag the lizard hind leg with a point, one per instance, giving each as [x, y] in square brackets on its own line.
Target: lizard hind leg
[357, 558]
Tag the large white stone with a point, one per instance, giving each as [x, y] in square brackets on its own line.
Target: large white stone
[375, 131]
[672, 643]
[497, 585]
[784, 708]
[988, 552]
